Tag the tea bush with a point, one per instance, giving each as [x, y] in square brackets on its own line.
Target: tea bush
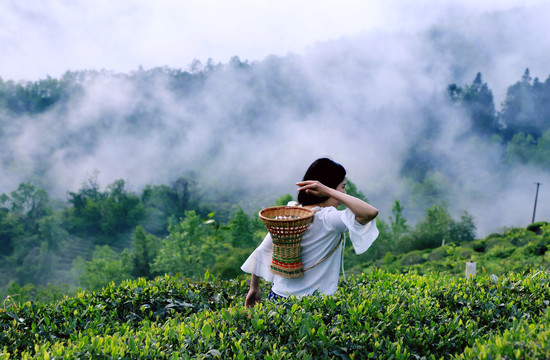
[523, 340]
[516, 250]
[24, 325]
[377, 315]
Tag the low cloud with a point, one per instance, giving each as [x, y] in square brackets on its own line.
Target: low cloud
[253, 128]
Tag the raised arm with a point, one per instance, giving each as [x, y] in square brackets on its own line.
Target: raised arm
[363, 211]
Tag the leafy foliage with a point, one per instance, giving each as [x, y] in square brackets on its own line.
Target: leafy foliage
[114, 308]
[398, 238]
[162, 202]
[477, 100]
[515, 250]
[32, 97]
[191, 247]
[525, 108]
[28, 203]
[145, 249]
[104, 214]
[523, 122]
[241, 231]
[106, 266]
[438, 227]
[526, 149]
[376, 315]
[40, 237]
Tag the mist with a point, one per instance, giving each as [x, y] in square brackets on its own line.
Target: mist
[253, 127]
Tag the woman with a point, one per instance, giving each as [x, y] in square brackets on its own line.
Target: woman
[321, 190]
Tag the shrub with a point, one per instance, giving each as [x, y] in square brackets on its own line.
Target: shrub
[412, 258]
[229, 266]
[523, 340]
[466, 253]
[493, 236]
[477, 245]
[537, 227]
[377, 315]
[502, 252]
[537, 248]
[438, 254]
[519, 237]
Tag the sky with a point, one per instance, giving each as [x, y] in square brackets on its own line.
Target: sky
[41, 38]
[369, 68]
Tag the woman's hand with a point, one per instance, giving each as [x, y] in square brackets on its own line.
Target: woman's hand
[253, 297]
[363, 211]
[314, 187]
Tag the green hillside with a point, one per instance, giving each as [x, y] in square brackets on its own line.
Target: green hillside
[516, 249]
[378, 315]
[414, 305]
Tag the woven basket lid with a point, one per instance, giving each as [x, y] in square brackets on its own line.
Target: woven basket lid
[286, 216]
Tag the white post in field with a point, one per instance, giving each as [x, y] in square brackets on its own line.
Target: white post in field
[470, 269]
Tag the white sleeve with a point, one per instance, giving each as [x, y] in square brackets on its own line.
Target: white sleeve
[259, 262]
[362, 236]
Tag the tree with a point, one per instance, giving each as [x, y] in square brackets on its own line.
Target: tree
[542, 154]
[431, 190]
[438, 225]
[106, 266]
[49, 236]
[477, 100]
[228, 266]
[398, 224]
[31, 97]
[29, 203]
[463, 230]
[191, 247]
[430, 232]
[525, 149]
[392, 238]
[352, 189]
[121, 210]
[520, 149]
[241, 232]
[10, 229]
[85, 215]
[455, 93]
[522, 107]
[283, 200]
[144, 252]
[30, 234]
[104, 214]
[162, 202]
[51, 232]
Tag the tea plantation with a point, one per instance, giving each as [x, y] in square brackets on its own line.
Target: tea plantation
[379, 315]
[514, 250]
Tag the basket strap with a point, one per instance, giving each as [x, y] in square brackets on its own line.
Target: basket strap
[327, 255]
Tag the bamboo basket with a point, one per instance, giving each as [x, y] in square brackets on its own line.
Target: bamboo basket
[287, 225]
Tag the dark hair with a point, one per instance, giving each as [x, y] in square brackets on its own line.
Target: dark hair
[325, 171]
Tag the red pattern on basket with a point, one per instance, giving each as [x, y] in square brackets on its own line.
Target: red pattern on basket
[295, 265]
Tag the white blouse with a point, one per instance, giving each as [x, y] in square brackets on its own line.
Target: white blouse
[321, 236]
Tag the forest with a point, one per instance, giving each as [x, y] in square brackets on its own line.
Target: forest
[52, 244]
